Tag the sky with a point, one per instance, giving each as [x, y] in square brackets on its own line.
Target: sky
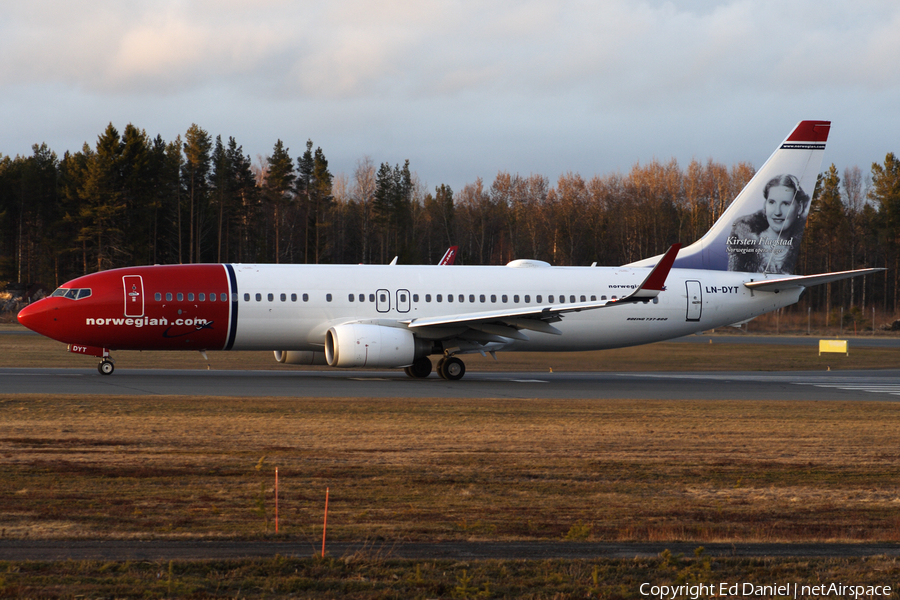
[463, 89]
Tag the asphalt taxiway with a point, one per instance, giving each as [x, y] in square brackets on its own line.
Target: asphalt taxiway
[47, 550]
[883, 385]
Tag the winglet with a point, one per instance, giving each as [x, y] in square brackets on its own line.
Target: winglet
[449, 256]
[656, 280]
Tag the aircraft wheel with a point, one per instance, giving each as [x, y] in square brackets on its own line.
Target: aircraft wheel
[440, 368]
[420, 369]
[106, 367]
[452, 369]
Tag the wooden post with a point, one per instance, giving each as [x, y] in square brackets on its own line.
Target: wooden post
[276, 499]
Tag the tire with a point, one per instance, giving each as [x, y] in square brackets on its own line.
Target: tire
[420, 369]
[452, 369]
[106, 367]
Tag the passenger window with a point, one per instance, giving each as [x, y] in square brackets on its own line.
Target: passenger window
[516, 298]
[593, 298]
[539, 299]
[246, 297]
[504, 298]
[583, 299]
[603, 297]
[362, 297]
[415, 297]
[233, 296]
[572, 299]
[306, 297]
[494, 298]
[168, 296]
[471, 297]
[402, 297]
[158, 297]
[382, 297]
[190, 296]
[449, 297]
[293, 297]
[351, 297]
[463, 298]
[328, 297]
[180, 297]
[481, 298]
[259, 297]
[202, 297]
[371, 297]
[212, 297]
[527, 299]
[270, 297]
[550, 298]
[223, 297]
[427, 297]
[440, 298]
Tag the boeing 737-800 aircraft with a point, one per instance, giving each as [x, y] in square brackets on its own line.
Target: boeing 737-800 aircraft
[395, 316]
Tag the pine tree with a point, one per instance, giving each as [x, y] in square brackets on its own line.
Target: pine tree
[196, 170]
[279, 188]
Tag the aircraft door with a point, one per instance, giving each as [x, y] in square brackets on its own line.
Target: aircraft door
[403, 301]
[134, 295]
[382, 301]
[694, 300]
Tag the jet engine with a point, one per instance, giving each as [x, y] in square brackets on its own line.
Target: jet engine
[298, 357]
[363, 345]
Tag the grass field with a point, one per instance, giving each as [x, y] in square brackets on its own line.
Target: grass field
[408, 469]
[365, 577]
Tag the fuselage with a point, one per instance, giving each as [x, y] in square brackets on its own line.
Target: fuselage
[291, 307]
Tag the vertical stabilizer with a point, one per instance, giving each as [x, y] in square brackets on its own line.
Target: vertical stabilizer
[762, 229]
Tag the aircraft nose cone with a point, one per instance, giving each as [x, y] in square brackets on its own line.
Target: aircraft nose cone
[36, 317]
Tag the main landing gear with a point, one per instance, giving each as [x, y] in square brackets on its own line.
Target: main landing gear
[420, 369]
[449, 368]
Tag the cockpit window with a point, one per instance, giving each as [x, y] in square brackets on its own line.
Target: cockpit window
[73, 293]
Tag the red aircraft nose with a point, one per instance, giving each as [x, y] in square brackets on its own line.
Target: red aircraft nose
[38, 317]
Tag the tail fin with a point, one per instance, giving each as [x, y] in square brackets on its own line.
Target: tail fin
[762, 229]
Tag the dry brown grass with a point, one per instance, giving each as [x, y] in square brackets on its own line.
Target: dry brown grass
[450, 469]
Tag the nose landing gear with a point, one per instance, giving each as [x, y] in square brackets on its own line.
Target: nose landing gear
[106, 366]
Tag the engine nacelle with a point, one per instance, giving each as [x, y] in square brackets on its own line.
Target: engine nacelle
[300, 357]
[374, 346]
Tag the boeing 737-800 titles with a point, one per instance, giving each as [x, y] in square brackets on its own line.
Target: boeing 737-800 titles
[395, 316]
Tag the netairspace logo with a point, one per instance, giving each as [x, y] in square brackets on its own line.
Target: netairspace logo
[753, 590]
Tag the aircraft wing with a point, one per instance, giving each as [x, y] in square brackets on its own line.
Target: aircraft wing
[507, 322]
[786, 283]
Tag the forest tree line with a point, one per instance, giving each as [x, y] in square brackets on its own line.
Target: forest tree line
[132, 199]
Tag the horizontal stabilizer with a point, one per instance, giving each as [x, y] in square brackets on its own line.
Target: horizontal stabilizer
[787, 283]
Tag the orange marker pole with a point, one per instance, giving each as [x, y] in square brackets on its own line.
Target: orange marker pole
[325, 523]
[276, 499]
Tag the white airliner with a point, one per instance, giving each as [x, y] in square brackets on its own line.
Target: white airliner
[395, 316]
